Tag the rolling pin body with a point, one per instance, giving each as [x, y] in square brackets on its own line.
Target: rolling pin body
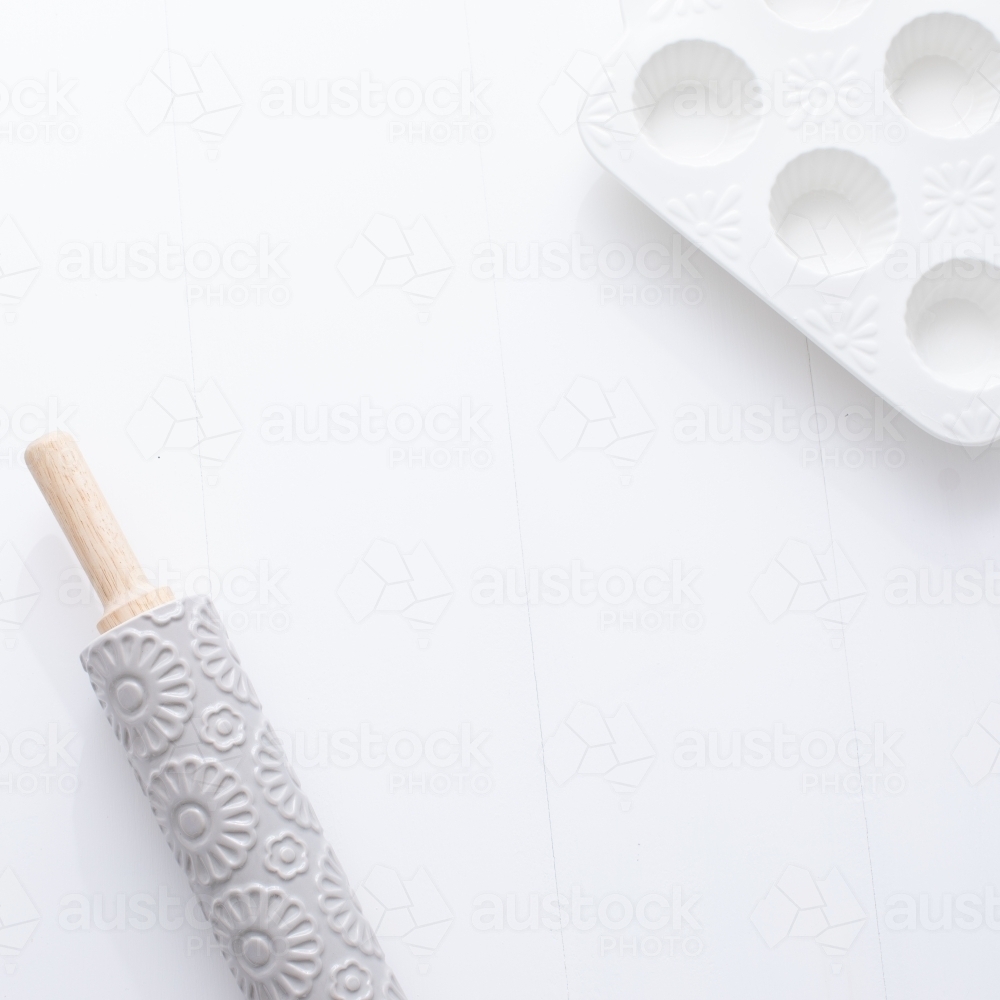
[216, 775]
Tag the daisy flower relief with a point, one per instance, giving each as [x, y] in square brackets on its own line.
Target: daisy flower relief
[819, 86]
[713, 220]
[850, 329]
[959, 197]
[145, 688]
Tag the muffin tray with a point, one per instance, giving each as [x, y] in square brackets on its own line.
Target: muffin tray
[839, 158]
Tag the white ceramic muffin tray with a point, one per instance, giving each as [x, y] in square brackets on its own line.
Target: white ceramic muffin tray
[839, 158]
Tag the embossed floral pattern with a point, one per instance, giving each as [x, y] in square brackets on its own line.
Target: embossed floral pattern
[286, 855]
[351, 981]
[281, 787]
[341, 908]
[849, 329]
[820, 87]
[208, 816]
[713, 219]
[270, 942]
[958, 198]
[145, 689]
[167, 613]
[218, 661]
[222, 727]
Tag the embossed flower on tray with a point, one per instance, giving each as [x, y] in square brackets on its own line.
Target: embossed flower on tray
[351, 981]
[849, 328]
[217, 658]
[222, 727]
[208, 816]
[821, 86]
[958, 197]
[714, 219]
[340, 907]
[144, 687]
[281, 787]
[286, 855]
[269, 941]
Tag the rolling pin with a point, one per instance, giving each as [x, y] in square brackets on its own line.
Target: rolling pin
[216, 775]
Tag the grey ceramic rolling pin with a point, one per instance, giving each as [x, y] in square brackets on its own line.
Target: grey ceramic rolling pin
[215, 774]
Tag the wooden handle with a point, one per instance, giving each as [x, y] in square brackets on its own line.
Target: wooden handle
[68, 485]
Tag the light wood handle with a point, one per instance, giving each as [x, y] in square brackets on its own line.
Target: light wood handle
[68, 485]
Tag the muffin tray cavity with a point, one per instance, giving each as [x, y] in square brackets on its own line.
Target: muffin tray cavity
[839, 158]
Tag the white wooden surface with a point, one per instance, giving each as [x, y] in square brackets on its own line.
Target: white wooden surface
[445, 843]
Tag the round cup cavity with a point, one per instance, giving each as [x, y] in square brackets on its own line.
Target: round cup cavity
[818, 15]
[834, 211]
[953, 322]
[695, 100]
[943, 73]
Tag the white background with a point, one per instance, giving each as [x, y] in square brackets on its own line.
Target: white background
[716, 839]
